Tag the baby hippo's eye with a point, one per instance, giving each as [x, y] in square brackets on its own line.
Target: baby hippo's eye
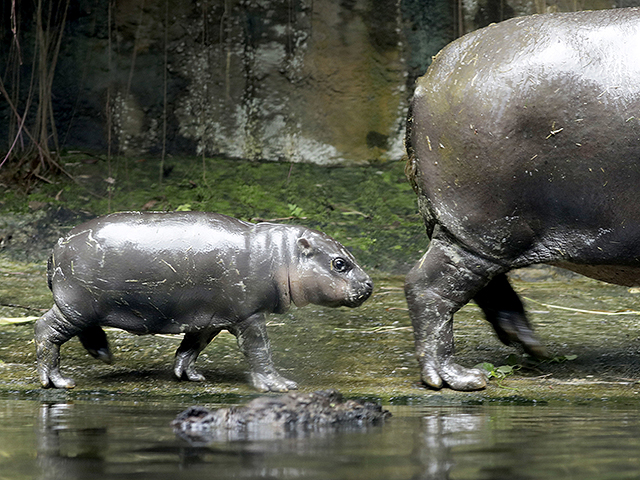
[340, 264]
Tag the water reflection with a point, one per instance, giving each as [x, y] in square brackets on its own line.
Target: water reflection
[439, 434]
[103, 440]
[65, 451]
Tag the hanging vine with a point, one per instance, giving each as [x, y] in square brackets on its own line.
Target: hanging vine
[33, 150]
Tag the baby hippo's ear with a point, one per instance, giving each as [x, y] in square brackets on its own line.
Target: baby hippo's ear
[305, 247]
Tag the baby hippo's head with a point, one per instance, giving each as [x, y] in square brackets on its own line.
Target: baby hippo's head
[325, 273]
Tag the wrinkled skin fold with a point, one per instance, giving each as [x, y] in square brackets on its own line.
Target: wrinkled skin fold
[523, 143]
[189, 272]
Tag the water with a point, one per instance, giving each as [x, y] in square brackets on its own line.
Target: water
[552, 420]
[104, 440]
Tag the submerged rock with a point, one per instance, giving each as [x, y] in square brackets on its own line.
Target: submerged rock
[272, 417]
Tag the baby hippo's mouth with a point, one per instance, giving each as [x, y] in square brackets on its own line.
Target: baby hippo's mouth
[360, 294]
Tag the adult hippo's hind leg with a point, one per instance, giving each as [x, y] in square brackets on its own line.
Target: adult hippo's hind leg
[504, 310]
[51, 331]
[444, 280]
[192, 344]
[254, 343]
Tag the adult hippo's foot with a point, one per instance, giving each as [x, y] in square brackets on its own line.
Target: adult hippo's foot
[184, 369]
[94, 340]
[513, 328]
[272, 382]
[452, 375]
[504, 310]
[444, 280]
[49, 366]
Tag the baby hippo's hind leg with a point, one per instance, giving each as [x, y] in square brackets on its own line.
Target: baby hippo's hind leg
[192, 344]
[51, 331]
[504, 310]
[94, 340]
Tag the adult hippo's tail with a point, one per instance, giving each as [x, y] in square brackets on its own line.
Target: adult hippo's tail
[410, 169]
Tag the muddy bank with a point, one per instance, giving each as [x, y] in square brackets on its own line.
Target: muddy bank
[590, 328]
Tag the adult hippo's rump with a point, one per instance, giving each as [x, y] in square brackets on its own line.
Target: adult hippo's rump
[193, 273]
[524, 147]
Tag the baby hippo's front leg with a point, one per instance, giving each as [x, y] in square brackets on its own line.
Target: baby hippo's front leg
[192, 344]
[254, 343]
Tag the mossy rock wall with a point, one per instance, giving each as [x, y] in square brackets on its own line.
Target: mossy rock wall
[292, 80]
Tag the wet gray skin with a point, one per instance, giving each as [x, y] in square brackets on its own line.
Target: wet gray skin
[193, 273]
[523, 144]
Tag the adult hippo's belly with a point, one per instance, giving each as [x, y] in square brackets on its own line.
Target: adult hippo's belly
[524, 148]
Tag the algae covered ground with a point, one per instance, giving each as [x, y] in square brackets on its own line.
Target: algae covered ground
[590, 328]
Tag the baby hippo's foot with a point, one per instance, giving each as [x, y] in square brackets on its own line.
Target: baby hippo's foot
[272, 382]
[48, 362]
[55, 379]
[184, 370]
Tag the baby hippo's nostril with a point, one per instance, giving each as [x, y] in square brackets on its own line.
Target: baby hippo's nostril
[368, 289]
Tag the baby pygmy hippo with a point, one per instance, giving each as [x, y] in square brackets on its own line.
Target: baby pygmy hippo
[195, 273]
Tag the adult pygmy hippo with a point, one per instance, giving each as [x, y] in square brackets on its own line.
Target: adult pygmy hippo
[189, 272]
[524, 148]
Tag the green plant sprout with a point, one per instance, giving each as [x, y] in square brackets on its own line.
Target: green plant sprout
[513, 365]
